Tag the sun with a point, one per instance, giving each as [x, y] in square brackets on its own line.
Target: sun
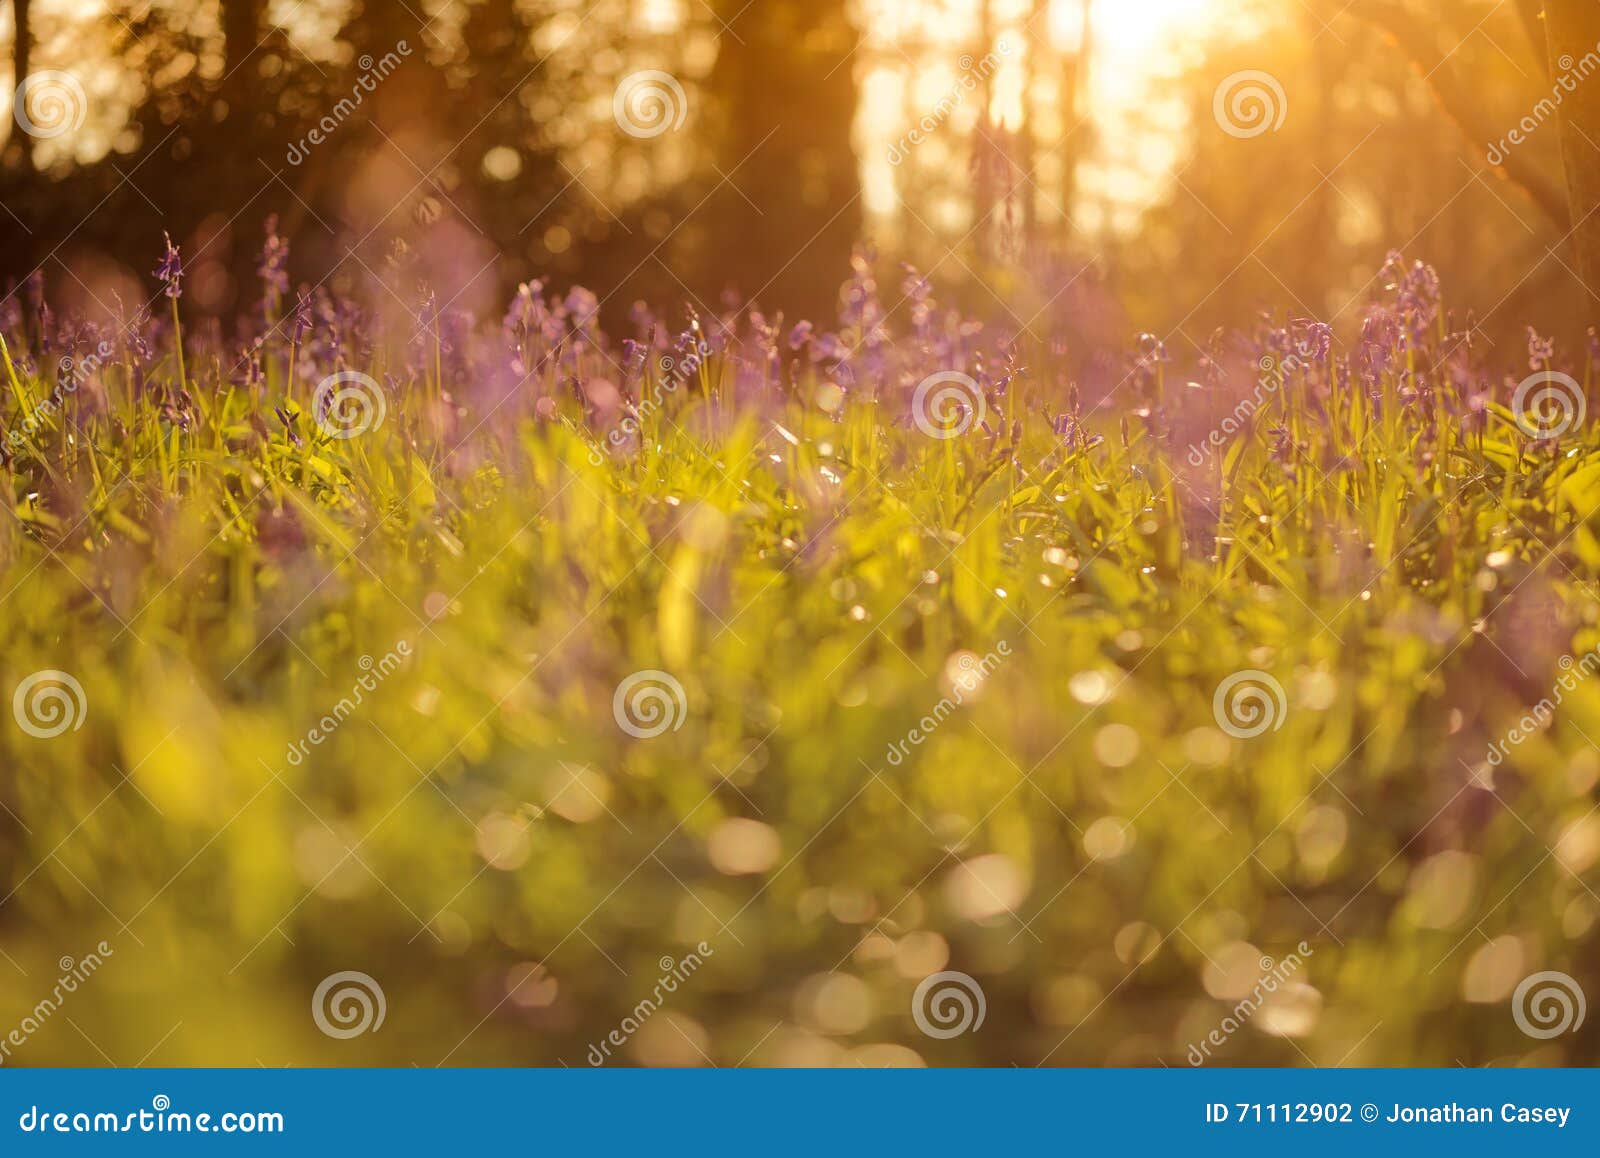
[1121, 26]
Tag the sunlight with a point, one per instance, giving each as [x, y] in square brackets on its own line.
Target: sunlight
[1125, 58]
[1139, 24]
[592, 510]
[1137, 47]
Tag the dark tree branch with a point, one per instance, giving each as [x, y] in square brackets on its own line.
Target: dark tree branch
[1459, 101]
[21, 52]
[1573, 30]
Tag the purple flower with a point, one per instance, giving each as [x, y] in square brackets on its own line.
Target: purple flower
[170, 270]
[1416, 291]
[252, 369]
[1152, 351]
[859, 307]
[1540, 350]
[302, 317]
[1312, 339]
[1380, 336]
[582, 307]
[273, 269]
[828, 348]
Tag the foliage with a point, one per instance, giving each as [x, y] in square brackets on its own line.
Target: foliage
[1080, 835]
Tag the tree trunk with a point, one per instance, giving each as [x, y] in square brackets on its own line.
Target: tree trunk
[1460, 102]
[1573, 31]
[1074, 99]
[241, 32]
[989, 154]
[1027, 141]
[21, 54]
[785, 219]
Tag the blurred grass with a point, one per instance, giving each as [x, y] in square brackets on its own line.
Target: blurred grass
[484, 840]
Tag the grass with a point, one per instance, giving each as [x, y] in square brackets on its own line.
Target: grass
[1077, 831]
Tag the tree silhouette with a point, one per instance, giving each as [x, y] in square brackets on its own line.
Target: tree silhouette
[787, 206]
[1573, 31]
[21, 51]
[241, 31]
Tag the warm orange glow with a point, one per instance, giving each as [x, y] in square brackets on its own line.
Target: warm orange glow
[912, 79]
